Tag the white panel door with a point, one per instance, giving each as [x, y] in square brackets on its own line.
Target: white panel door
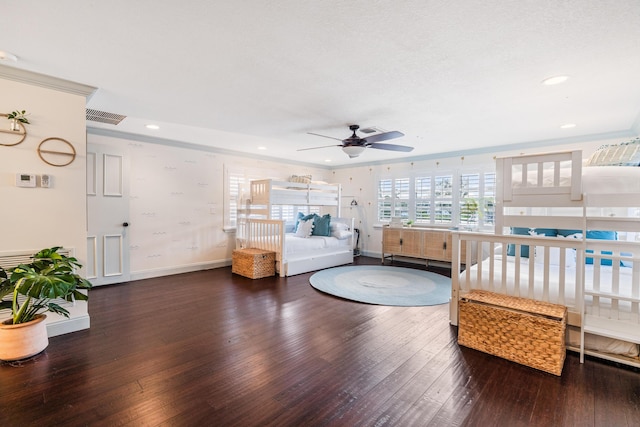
[108, 213]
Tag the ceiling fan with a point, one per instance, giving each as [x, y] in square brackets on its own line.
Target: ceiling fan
[355, 145]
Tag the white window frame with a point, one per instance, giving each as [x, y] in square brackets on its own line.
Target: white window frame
[485, 198]
[433, 199]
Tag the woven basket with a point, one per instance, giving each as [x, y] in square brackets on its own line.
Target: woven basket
[525, 331]
[253, 263]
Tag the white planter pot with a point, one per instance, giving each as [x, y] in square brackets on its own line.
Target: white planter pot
[24, 339]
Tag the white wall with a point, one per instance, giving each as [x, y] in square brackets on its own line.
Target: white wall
[177, 204]
[35, 218]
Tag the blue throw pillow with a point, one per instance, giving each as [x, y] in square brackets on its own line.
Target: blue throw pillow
[321, 225]
[602, 261]
[601, 235]
[565, 233]
[524, 250]
[552, 232]
[626, 262]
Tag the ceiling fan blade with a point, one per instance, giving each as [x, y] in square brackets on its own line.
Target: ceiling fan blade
[315, 148]
[324, 136]
[384, 136]
[390, 147]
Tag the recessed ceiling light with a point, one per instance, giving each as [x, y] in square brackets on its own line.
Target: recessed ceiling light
[7, 56]
[262, 148]
[568, 126]
[554, 80]
[327, 160]
[154, 127]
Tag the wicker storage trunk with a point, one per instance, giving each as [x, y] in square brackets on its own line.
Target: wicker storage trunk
[253, 263]
[525, 331]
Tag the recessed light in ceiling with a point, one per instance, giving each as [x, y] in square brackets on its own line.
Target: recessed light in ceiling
[555, 80]
[154, 127]
[568, 126]
[7, 56]
[327, 160]
[262, 148]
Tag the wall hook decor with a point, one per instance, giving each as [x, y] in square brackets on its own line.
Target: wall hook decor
[57, 152]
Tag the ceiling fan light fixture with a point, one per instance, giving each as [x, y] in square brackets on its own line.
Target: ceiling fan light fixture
[353, 150]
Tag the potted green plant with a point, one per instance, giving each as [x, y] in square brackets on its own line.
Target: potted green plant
[29, 291]
[17, 116]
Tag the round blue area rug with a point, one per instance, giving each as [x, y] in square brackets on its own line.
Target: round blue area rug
[384, 285]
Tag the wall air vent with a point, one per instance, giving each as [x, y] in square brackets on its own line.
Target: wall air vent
[104, 117]
[13, 259]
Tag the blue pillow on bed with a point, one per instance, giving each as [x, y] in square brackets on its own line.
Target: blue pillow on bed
[524, 250]
[603, 261]
[565, 233]
[546, 231]
[322, 225]
[601, 235]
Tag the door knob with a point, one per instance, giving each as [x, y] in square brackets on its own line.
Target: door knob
[125, 224]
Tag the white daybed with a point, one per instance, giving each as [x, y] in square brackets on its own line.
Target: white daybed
[295, 255]
[554, 192]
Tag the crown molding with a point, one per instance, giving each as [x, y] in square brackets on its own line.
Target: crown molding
[43, 80]
[193, 146]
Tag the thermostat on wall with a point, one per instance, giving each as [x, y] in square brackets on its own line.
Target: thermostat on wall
[25, 180]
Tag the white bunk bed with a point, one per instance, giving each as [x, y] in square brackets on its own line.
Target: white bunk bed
[295, 255]
[598, 280]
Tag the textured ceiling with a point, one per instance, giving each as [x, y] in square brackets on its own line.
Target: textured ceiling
[237, 75]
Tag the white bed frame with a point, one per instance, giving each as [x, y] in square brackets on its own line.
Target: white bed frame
[265, 193]
[269, 234]
[544, 206]
[256, 229]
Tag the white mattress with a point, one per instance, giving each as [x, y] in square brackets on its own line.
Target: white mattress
[295, 244]
[519, 285]
[595, 179]
[608, 179]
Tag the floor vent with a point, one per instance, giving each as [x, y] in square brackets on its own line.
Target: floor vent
[104, 117]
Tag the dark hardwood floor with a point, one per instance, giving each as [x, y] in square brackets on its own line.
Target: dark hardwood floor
[213, 348]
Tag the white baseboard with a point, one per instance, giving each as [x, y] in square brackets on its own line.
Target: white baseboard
[168, 271]
[371, 254]
[65, 326]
